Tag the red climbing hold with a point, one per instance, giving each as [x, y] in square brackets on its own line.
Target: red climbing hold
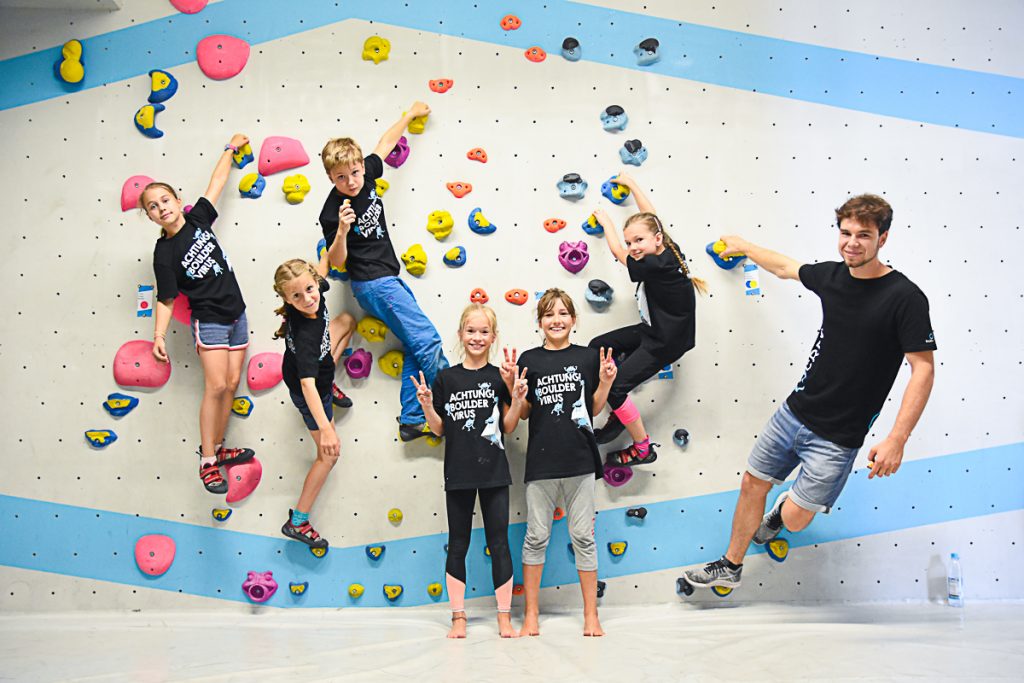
[478, 296]
[517, 296]
[536, 54]
[511, 22]
[441, 85]
[459, 189]
[554, 224]
[477, 154]
[559, 514]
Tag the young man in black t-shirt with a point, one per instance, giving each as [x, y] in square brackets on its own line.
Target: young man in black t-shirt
[357, 238]
[873, 318]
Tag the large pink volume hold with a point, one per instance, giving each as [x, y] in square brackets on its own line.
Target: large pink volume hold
[189, 6]
[243, 479]
[264, 370]
[132, 189]
[221, 57]
[279, 153]
[135, 366]
[154, 553]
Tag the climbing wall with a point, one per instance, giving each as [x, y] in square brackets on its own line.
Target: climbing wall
[758, 120]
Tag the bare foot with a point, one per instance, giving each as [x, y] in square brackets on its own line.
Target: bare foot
[458, 625]
[505, 629]
[592, 626]
[531, 627]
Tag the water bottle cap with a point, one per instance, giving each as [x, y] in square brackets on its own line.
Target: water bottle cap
[954, 556]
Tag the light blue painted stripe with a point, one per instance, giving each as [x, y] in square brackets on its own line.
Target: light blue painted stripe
[213, 562]
[890, 87]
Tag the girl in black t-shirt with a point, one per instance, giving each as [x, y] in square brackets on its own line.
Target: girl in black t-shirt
[468, 404]
[667, 312]
[188, 259]
[313, 343]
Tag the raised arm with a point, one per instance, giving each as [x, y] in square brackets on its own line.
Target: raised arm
[608, 372]
[391, 135]
[337, 251]
[223, 167]
[520, 407]
[639, 196]
[888, 454]
[611, 235]
[777, 264]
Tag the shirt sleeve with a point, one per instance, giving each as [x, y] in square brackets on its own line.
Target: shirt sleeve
[638, 270]
[812, 275]
[324, 285]
[166, 281]
[439, 394]
[307, 349]
[374, 168]
[504, 397]
[914, 325]
[202, 214]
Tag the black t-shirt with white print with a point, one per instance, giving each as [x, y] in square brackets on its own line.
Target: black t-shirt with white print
[194, 263]
[667, 303]
[469, 403]
[868, 325]
[561, 395]
[370, 253]
[307, 350]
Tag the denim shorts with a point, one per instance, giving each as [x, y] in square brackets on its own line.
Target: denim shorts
[300, 402]
[231, 336]
[785, 443]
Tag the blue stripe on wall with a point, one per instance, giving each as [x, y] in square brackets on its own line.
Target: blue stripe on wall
[213, 562]
[850, 80]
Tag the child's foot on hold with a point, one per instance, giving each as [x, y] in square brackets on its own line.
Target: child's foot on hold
[234, 456]
[592, 625]
[339, 398]
[612, 428]
[505, 629]
[303, 532]
[212, 479]
[531, 625]
[411, 432]
[458, 625]
[631, 455]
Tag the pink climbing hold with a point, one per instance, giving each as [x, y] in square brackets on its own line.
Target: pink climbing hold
[182, 311]
[132, 189]
[189, 6]
[221, 57]
[260, 586]
[154, 553]
[243, 479]
[279, 153]
[265, 370]
[358, 364]
[135, 366]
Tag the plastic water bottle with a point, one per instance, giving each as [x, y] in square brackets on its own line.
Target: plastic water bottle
[955, 581]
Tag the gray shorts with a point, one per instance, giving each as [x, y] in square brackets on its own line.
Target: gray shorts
[541, 498]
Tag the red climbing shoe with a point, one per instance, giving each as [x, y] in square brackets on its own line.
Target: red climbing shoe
[234, 456]
[630, 456]
[212, 480]
[339, 398]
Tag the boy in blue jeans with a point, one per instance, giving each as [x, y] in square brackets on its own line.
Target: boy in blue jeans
[357, 234]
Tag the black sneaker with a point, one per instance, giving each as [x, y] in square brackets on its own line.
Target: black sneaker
[630, 456]
[212, 479]
[716, 573]
[339, 398]
[771, 523]
[304, 533]
[234, 456]
[408, 432]
[612, 428]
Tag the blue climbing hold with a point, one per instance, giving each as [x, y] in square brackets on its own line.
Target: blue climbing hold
[455, 257]
[242, 156]
[119, 405]
[162, 86]
[647, 52]
[681, 437]
[633, 152]
[614, 192]
[571, 49]
[145, 120]
[479, 224]
[298, 589]
[251, 185]
[332, 272]
[592, 227]
[100, 438]
[598, 294]
[221, 514]
[614, 118]
[572, 186]
[375, 552]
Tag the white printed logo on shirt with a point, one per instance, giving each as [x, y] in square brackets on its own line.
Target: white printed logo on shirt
[462, 407]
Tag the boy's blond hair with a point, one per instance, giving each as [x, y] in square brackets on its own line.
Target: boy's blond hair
[341, 151]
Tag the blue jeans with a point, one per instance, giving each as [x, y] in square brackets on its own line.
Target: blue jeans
[785, 443]
[391, 300]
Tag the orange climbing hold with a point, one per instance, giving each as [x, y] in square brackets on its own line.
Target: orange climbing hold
[441, 85]
[517, 296]
[459, 189]
[478, 296]
[536, 54]
[554, 224]
[559, 514]
[517, 589]
[477, 154]
[510, 22]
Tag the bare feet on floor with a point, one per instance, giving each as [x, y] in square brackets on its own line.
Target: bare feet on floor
[458, 625]
[531, 625]
[505, 629]
[592, 625]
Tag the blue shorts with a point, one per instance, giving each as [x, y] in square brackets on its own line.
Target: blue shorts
[785, 443]
[300, 402]
[230, 336]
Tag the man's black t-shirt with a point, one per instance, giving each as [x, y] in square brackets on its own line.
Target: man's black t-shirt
[469, 402]
[667, 303]
[561, 395]
[370, 253]
[868, 325]
[307, 350]
[193, 263]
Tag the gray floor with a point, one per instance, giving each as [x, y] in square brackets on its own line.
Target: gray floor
[653, 643]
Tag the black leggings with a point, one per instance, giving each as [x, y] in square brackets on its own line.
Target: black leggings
[494, 505]
[641, 361]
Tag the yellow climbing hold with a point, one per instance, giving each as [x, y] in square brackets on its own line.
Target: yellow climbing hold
[415, 260]
[440, 224]
[376, 49]
[355, 590]
[391, 363]
[434, 590]
[71, 68]
[418, 124]
[372, 329]
[395, 516]
[381, 186]
[295, 188]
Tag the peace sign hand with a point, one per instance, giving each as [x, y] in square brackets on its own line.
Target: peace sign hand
[519, 388]
[508, 367]
[423, 392]
[608, 367]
